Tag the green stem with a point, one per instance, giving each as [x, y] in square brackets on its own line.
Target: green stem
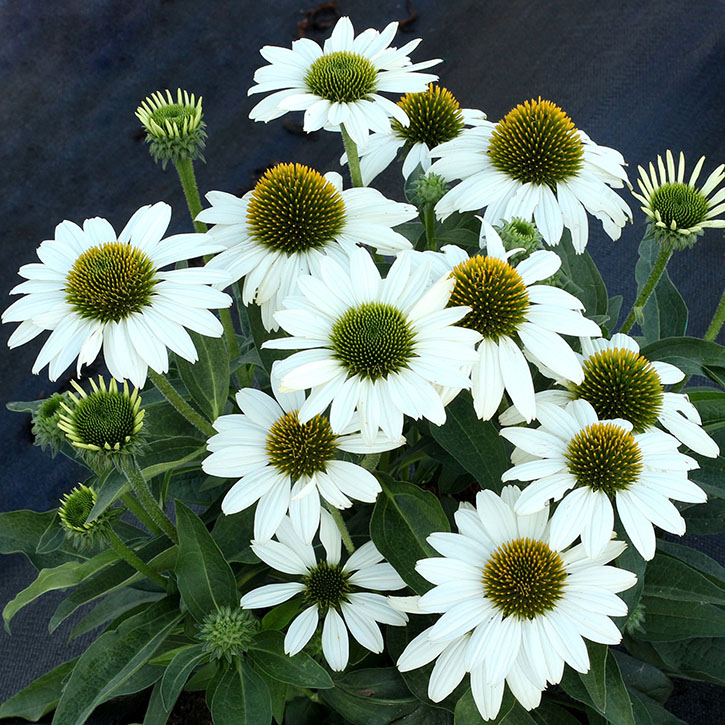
[429, 222]
[337, 518]
[231, 337]
[146, 499]
[353, 160]
[663, 256]
[141, 566]
[717, 321]
[182, 407]
[140, 513]
[185, 170]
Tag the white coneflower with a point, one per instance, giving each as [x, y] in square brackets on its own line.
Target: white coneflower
[589, 464]
[517, 319]
[293, 218]
[620, 382]
[376, 346]
[94, 288]
[434, 118]
[679, 210]
[535, 162]
[343, 595]
[514, 606]
[340, 83]
[287, 465]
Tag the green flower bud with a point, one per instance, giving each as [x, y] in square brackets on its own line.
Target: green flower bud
[73, 512]
[45, 423]
[227, 632]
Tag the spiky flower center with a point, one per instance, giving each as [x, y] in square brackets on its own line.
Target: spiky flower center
[679, 206]
[109, 282]
[620, 383]
[604, 457]
[524, 578]
[164, 117]
[536, 142]
[435, 117]
[326, 585]
[494, 291]
[75, 508]
[104, 419]
[342, 77]
[293, 208]
[373, 340]
[300, 449]
[227, 632]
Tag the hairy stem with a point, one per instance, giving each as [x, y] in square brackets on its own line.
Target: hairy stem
[136, 562]
[141, 489]
[185, 170]
[182, 407]
[140, 513]
[663, 256]
[337, 518]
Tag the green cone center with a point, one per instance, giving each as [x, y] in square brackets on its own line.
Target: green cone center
[524, 578]
[435, 117]
[326, 585]
[620, 383]
[300, 449]
[536, 142]
[109, 282]
[75, 508]
[104, 419]
[295, 209]
[604, 457]
[680, 205]
[342, 77]
[373, 340]
[494, 291]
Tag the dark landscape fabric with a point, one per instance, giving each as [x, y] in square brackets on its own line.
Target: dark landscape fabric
[642, 77]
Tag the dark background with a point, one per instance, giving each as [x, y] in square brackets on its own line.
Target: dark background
[641, 77]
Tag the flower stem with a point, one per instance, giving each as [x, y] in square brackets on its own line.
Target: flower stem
[182, 407]
[353, 160]
[429, 222]
[663, 256]
[337, 518]
[717, 321]
[140, 513]
[137, 563]
[185, 170]
[146, 499]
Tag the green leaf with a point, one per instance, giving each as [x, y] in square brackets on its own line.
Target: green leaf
[168, 454]
[403, 517]
[206, 582]
[702, 658]
[696, 559]
[240, 697]
[163, 421]
[66, 575]
[113, 659]
[649, 712]
[595, 681]
[233, 534]
[21, 533]
[665, 314]
[156, 713]
[370, 696]
[614, 308]
[40, 696]
[710, 404]
[112, 606]
[475, 444]
[207, 380]
[580, 276]
[177, 673]
[631, 560]
[688, 353]
[425, 715]
[670, 578]
[510, 713]
[706, 518]
[549, 713]
[643, 677]
[666, 620]
[52, 538]
[267, 654]
[280, 616]
[608, 681]
[108, 580]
